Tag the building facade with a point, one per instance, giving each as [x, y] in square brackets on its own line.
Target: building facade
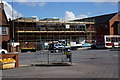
[4, 29]
[30, 33]
[105, 25]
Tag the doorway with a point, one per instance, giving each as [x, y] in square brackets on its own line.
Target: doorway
[4, 45]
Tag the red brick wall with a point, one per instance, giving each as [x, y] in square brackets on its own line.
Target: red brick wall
[113, 28]
[101, 30]
[3, 22]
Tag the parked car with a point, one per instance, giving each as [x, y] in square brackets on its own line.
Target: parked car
[63, 42]
[86, 45]
[98, 45]
[3, 51]
[75, 46]
[54, 47]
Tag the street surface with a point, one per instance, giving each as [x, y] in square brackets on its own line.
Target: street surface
[91, 63]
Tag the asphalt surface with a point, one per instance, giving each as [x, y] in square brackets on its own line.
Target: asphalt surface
[99, 63]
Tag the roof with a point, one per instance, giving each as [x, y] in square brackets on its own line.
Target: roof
[27, 18]
[98, 19]
[3, 17]
[116, 22]
[50, 19]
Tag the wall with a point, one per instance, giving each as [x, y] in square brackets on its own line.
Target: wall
[113, 26]
[3, 23]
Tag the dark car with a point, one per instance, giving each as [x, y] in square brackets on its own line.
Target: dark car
[98, 45]
[53, 47]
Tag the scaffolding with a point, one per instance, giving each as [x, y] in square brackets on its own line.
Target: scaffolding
[46, 31]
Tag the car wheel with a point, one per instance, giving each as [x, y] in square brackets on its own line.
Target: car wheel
[2, 52]
[51, 51]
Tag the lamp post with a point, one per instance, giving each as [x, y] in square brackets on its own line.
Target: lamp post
[12, 29]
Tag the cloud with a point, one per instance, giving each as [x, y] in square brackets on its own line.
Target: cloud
[37, 18]
[28, 3]
[10, 12]
[71, 16]
[41, 4]
[22, 0]
[89, 13]
[100, 3]
[82, 16]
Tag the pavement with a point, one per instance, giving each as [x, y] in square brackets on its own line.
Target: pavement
[101, 63]
[115, 49]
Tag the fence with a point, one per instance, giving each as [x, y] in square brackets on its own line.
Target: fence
[46, 57]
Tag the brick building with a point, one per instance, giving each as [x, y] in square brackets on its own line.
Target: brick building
[4, 29]
[105, 25]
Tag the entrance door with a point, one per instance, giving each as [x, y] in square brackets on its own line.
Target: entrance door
[4, 45]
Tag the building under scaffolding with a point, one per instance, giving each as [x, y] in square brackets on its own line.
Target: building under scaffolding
[30, 33]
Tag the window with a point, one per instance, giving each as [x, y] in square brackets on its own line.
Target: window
[118, 38]
[3, 30]
[107, 39]
[82, 28]
[51, 28]
[112, 39]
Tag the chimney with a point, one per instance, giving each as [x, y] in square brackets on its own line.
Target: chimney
[1, 5]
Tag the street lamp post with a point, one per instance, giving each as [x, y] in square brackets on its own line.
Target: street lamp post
[12, 29]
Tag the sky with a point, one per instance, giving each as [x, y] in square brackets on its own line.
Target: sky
[64, 10]
[62, 0]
